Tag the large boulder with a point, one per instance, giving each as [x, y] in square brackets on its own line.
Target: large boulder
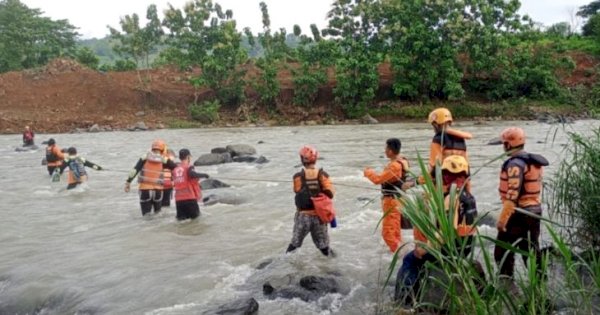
[224, 197]
[309, 288]
[250, 159]
[211, 183]
[218, 150]
[213, 159]
[368, 119]
[240, 149]
[26, 148]
[246, 306]
[94, 128]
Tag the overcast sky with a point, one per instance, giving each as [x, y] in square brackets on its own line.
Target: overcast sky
[92, 17]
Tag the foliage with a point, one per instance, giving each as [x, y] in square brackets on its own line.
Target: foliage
[353, 24]
[576, 190]
[315, 56]
[592, 27]
[120, 65]
[562, 29]
[275, 52]
[207, 112]
[204, 35]
[460, 287]
[86, 56]
[27, 39]
[138, 42]
[589, 9]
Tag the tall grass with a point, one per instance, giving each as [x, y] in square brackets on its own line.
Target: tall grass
[575, 187]
[453, 285]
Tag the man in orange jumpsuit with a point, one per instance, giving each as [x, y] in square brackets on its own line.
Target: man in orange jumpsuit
[391, 180]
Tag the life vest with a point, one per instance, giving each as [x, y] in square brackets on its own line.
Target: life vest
[311, 187]
[186, 188]
[51, 156]
[392, 188]
[167, 175]
[452, 142]
[151, 176]
[77, 172]
[530, 165]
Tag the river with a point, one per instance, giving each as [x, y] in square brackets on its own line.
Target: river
[89, 251]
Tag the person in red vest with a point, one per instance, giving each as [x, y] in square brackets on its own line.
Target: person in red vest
[187, 187]
[28, 137]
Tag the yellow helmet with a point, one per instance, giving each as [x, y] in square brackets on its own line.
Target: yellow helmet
[440, 116]
[455, 164]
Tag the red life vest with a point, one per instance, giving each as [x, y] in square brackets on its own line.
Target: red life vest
[186, 188]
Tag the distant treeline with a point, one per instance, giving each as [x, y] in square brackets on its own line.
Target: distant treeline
[446, 50]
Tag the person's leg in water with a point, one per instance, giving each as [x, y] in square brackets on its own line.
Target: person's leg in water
[408, 277]
[157, 200]
[187, 209]
[167, 194]
[301, 229]
[319, 235]
[51, 170]
[72, 185]
[146, 200]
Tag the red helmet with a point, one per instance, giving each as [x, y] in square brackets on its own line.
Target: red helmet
[514, 136]
[309, 154]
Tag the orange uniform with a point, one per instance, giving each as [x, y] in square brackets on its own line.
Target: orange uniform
[391, 180]
[446, 143]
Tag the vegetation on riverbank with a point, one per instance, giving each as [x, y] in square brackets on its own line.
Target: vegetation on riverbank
[386, 58]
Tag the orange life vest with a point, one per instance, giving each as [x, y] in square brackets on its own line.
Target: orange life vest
[392, 188]
[168, 176]
[152, 175]
[311, 187]
[186, 188]
[527, 166]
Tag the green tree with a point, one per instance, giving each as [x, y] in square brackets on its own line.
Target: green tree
[29, 40]
[275, 50]
[136, 42]
[354, 25]
[590, 9]
[562, 29]
[315, 56]
[202, 34]
[86, 56]
[592, 27]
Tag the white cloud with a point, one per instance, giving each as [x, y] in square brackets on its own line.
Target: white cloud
[92, 17]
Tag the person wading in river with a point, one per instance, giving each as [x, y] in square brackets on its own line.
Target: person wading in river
[187, 187]
[151, 179]
[76, 164]
[54, 156]
[391, 180]
[520, 187]
[310, 182]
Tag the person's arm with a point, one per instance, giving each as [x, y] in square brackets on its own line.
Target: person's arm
[297, 182]
[92, 165]
[58, 152]
[193, 174]
[515, 182]
[392, 172]
[136, 169]
[170, 164]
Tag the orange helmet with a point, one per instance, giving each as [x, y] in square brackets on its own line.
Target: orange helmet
[309, 154]
[440, 116]
[158, 145]
[514, 136]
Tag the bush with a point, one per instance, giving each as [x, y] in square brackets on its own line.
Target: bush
[206, 113]
[576, 191]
